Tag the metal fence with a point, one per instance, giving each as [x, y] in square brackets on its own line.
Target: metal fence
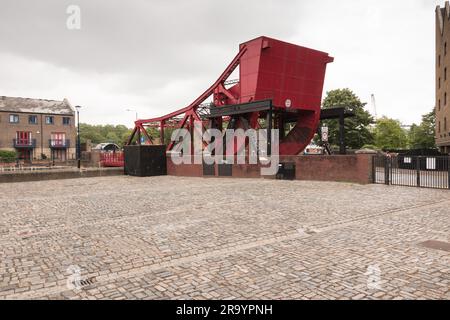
[17, 164]
[112, 159]
[412, 171]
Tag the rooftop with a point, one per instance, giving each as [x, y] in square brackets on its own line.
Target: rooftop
[29, 105]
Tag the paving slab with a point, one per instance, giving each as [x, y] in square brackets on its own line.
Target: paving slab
[169, 237]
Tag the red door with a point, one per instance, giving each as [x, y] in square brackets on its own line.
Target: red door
[58, 139]
[59, 143]
[24, 154]
[23, 138]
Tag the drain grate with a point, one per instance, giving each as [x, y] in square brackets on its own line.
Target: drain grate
[84, 282]
[437, 245]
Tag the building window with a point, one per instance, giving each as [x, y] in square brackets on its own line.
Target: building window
[13, 118]
[49, 120]
[439, 105]
[445, 49]
[439, 83]
[439, 61]
[58, 139]
[23, 138]
[445, 98]
[445, 124]
[66, 121]
[32, 120]
[439, 128]
[445, 74]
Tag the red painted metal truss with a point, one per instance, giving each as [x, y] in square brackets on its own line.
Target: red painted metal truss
[291, 77]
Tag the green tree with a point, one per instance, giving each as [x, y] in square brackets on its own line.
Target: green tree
[112, 137]
[104, 133]
[389, 134]
[357, 128]
[124, 137]
[422, 136]
[90, 132]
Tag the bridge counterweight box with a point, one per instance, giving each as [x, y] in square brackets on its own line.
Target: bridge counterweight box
[145, 160]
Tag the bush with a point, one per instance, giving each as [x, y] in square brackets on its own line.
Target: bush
[370, 146]
[8, 156]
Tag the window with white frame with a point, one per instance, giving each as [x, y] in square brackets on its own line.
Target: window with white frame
[49, 120]
[13, 118]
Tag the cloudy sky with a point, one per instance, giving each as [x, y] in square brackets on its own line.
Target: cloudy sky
[157, 56]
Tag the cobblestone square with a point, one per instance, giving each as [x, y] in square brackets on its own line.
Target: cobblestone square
[194, 238]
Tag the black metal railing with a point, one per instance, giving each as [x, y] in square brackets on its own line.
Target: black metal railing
[24, 143]
[59, 143]
[412, 171]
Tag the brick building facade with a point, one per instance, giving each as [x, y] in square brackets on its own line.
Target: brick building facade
[37, 128]
[442, 104]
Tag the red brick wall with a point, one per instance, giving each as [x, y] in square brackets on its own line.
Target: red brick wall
[345, 168]
[246, 171]
[184, 170]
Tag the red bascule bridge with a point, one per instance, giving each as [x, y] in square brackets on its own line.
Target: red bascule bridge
[279, 87]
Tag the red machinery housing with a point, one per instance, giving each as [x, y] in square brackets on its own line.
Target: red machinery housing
[278, 81]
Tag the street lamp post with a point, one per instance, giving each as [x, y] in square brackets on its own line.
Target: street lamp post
[78, 138]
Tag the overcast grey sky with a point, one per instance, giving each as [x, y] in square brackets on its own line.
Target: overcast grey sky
[158, 56]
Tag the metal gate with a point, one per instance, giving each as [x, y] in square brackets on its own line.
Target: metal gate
[112, 159]
[412, 171]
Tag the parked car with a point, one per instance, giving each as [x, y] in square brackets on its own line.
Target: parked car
[313, 149]
[107, 146]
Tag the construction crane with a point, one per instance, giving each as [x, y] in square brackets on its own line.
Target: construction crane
[374, 106]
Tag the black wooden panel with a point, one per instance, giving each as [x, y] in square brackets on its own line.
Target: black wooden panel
[145, 161]
[209, 169]
[225, 170]
[262, 105]
[286, 171]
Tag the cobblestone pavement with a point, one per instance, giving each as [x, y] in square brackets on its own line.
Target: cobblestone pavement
[195, 238]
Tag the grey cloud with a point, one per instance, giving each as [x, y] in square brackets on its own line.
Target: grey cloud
[157, 56]
[161, 37]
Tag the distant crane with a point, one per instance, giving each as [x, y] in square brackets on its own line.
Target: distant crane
[374, 106]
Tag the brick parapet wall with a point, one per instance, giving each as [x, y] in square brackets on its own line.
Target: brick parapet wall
[355, 168]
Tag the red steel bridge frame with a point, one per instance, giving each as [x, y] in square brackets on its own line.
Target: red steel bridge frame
[308, 72]
[184, 118]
